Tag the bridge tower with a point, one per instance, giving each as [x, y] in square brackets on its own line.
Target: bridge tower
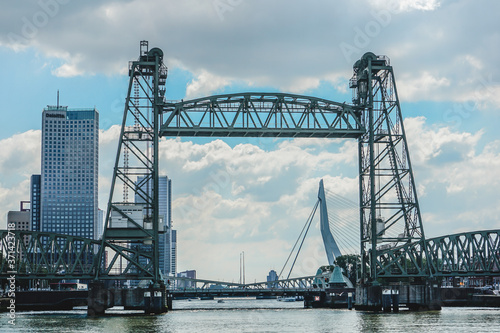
[391, 231]
[331, 247]
[133, 225]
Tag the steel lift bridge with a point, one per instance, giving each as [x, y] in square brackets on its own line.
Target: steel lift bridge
[393, 246]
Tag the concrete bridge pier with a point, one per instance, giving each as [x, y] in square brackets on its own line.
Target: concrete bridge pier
[155, 299]
[99, 299]
[417, 297]
[369, 298]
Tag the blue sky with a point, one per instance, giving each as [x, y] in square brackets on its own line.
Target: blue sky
[254, 195]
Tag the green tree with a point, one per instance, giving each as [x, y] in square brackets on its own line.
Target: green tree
[349, 264]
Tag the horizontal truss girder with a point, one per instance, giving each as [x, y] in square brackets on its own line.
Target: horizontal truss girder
[261, 115]
[44, 255]
[474, 253]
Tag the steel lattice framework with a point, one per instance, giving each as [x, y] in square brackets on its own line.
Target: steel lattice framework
[40, 255]
[43, 255]
[474, 253]
[389, 210]
[136, 225]
[261, 115]
[295, 284]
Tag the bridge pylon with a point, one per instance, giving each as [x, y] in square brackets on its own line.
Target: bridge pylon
[390, 217]
[135, 224]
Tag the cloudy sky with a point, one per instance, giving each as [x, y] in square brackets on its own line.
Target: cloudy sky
[255, 195]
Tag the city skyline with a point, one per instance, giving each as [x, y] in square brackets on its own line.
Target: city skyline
[254, 195]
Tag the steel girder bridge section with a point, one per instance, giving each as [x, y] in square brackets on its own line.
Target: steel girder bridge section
[43, 255]
[474, 253]
[40, 255]
[292, 284]
[261, 115]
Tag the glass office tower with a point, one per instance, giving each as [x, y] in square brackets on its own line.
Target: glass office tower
[69, 179]
[167, 237]
[35, 189]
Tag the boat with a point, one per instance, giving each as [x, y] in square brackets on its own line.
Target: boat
[287, 299]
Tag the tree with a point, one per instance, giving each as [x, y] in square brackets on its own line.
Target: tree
[349, 264]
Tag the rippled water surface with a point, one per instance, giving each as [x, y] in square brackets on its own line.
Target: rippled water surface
[250, 315]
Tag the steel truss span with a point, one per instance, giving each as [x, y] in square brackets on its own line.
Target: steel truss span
[261, 115]
[474, 253]
[296, 284]
[43, 255]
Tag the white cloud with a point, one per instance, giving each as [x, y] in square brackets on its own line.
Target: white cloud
[425, 86]
[68, 70]
[302, 84]
[406, 5]
[21, 149]
[252, 46]
[205, 84]
[456, 177]
[19, 159]
[439, 143]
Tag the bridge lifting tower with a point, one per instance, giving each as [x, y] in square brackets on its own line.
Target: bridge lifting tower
[137, 225]
[391, 231]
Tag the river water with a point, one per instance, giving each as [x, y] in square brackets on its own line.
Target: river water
[250, 315]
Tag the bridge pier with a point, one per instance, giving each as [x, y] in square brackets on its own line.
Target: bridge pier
[155, 299]
[415, 297]
[99, 299]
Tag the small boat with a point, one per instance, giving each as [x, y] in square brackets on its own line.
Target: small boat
[287, 299]
[220, 301]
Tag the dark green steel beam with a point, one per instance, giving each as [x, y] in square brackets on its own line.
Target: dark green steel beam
[261, 115]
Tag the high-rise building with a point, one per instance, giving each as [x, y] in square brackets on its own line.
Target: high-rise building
[35, 188]
[69, 179]
[20, 220]
[273, 276]
[99, 224]
[166, 255]
[173, 252]
[191, 274]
